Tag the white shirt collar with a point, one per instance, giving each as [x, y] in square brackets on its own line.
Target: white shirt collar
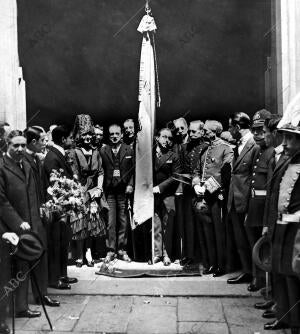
[245, 138]
[59, 148]
[29, 151]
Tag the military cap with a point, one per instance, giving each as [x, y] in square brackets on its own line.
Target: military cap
[260, 117]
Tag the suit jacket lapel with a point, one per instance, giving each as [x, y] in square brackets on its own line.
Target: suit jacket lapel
[59, 154]
[108, 152]
[250, 143]
[123, 151]
[62, 158]
[14, 168]
[162, 160]
[27, 169]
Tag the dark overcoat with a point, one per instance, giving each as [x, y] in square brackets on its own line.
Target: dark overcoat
[18, 198]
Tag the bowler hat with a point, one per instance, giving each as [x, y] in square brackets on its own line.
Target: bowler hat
[29, 248]
[261, 253]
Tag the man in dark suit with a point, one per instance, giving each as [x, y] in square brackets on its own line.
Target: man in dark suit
[239, 191]
[118, 165]
[59, 233]
[19, 207]
[35, 144]
[166, 163]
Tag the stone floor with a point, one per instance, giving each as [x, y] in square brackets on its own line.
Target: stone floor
[139, 314]
[191, 305]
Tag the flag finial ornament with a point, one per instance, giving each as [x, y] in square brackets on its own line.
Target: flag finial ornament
[290, 121]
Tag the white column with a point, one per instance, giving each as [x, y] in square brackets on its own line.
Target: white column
[288, 51]
[12, 85]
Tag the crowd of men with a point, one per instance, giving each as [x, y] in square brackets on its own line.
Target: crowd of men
[216, 195]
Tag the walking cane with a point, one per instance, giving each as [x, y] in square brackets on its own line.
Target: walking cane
[29, 249]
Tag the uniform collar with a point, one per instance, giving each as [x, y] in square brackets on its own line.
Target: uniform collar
[59, 148]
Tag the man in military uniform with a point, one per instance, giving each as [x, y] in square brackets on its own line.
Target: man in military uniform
[166, 164]
[191, 153]
[260, 176]
[215, 176]
[284, 215]
[239, 191]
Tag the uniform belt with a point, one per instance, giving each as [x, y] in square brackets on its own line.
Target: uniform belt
[286, 218]
[259, 193]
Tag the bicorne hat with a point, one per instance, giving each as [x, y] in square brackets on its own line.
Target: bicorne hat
[261, 253]
[29, 248]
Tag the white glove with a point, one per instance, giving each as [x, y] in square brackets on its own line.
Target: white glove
[11, 238]
[25, 226]
[199, 190]
[156, 190]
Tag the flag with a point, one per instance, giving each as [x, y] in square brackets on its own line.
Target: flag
[143, 206]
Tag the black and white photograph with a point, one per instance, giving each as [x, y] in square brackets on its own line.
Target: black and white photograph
[150, 166]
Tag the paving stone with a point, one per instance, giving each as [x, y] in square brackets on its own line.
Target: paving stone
[241, 312]
[155, 301]
[158, 316]
[202, 328]
[234, 329]
[105, 314]
[63, 318]
[200, 309]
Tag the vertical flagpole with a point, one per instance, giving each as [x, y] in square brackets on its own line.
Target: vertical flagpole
[143, 207]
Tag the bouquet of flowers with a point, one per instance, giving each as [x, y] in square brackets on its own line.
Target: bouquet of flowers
[67, 196]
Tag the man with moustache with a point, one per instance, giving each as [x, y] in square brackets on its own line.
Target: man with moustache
[215, 177]
[191, 153]
[166, 164]
[59, 232]
[118, 165]
[20, 211]
[240, 190]
[284, 217]
[6, 239]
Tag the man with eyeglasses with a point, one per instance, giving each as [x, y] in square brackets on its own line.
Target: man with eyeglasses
[166, 164]
[240, 191]
[19, 207]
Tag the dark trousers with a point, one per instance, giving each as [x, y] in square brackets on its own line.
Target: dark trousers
[59, 237]
[189, 224]
[178, 232]
[241, 240]
[163, 226]
[117, 222]
[5, 276]
[287, 296]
